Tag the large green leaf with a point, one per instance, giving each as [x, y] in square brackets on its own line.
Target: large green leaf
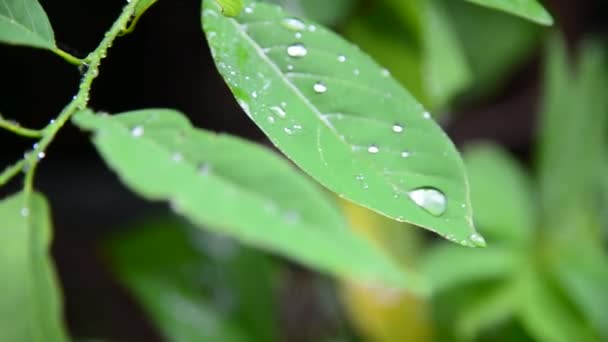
[501, 194]
[573, 139]
[342, 118]
[236, 188]
[30, 302]
[529, 9]
[448, 267]
[199, 288]
[23, 22]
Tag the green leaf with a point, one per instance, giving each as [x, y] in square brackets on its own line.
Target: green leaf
[446, 72]
[199, 288]
[448, 266]
[487, 311]
[322, 11]
[573, 140]
[501, 193]
[545, 315]
[341, 118]
[236, 188]
[582, 270]
[141, 7]
[30, 302]
[529, 9]
[23, 22]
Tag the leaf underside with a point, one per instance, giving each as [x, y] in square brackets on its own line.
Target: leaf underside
[339, 116]
[24, 22]
[236, 188]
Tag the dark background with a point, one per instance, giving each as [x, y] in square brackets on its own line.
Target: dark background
[165, 63]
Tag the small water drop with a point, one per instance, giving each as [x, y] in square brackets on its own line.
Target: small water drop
[270, 119]
[341, 58]
[429, 199]
[25, 212]
[288, 130]
[319, 87]
[297, 35]
[177, 157]
[312, 28]
[204, 169]
[297, 50]
[397, 128]
[405, 154]
[385, 73]
[254, 95]
[294, 24]
[248, 10]
[373, 149]
[292, 217]
[41, 155]
[137, 131]
[356, 72]
[359, 177]
[426, 115]
[289, 67]
[478, 240]
[278, 111]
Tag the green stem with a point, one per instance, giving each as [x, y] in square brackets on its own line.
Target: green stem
[71, 59]
[80, 100]
[11, 171]
[14, 127]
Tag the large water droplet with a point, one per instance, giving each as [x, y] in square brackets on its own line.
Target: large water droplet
[397, 128]
[429, 199]
[477, 240]
[319, 87]
[297, 50]
[373, 149]
[294, 24]
[278, 111]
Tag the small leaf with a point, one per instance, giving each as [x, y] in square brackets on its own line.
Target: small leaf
[341, 117]
[141, 7]
[24, 22]
[501, 194]
[447, 266]
[529, 9]
[236, 188]
[30, 302]
[199, 288]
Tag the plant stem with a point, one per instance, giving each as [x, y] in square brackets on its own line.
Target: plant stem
[71, 59]
[11, 171]
[14, 127]
[80, 100]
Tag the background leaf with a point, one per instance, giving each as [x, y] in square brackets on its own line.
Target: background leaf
[310, 92]
[30, 302]
[235, 188]
[529, 9]
[321, 11]
[23, 22]
[200, 287]
[501, 194]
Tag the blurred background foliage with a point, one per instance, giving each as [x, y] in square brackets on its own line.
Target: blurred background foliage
[526, 104]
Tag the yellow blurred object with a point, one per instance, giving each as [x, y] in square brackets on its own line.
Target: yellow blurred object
[382, 314]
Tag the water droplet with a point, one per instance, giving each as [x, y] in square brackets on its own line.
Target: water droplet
[298, 35]
[278, 111]
[477, 240]
[426, 115]
[397, 128]
[25, 212]
[405, 154]
[359, 177]
[270, 119]
[294, 24]
[319, 87]
[254, 95]
[41, 155]
[288, 130]
[373, 149]
[385, 73]
[248, 10]
[341, 58]
[429, 199]
[137, 131]
[356, 72]
[289, 67]
[365, 186]
[312, 28]
[177, 157]
[292, 217]
[297, 50]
